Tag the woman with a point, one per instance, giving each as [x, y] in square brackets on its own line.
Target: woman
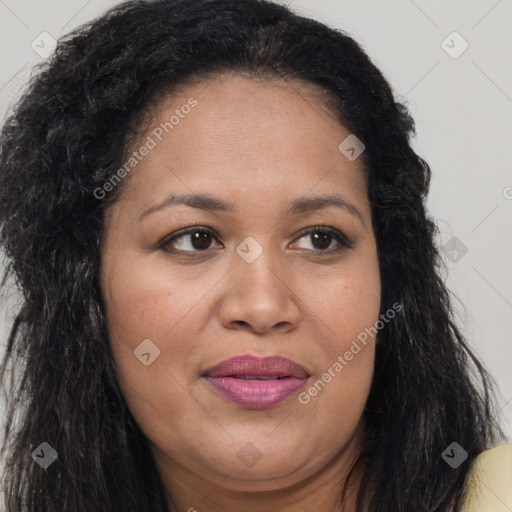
[263, 374]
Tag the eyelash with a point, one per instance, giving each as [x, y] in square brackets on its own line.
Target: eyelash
[343, 242]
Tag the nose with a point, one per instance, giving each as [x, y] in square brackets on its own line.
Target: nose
[260, 296]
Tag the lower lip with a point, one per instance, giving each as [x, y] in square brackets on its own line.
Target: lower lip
[256, 394]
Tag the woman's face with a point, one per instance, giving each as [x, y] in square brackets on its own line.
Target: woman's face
[254, 279]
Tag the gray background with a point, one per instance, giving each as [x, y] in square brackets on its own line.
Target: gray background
[462, 105]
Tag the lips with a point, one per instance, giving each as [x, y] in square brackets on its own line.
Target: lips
[263, 368]
[256, 382]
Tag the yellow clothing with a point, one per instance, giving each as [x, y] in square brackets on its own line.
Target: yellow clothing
[490, 482]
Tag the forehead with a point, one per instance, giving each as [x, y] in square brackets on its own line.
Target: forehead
[243, 137]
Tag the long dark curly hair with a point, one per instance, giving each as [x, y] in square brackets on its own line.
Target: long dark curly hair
[69, 133]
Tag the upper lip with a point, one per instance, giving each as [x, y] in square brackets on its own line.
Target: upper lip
[254, 367]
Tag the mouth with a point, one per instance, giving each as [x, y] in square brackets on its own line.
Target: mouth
[254, 382]
[255, 378]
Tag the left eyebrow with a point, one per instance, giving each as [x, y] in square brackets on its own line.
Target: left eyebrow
[308, 204]
[211, 203]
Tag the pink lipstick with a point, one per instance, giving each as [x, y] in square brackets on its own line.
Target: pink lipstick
[255, 382]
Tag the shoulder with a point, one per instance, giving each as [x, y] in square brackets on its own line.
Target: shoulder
[489, 486]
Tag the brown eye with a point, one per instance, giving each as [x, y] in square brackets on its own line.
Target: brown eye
[192, 240]
[322, 237]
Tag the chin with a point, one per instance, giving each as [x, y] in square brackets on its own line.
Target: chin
[265, 477]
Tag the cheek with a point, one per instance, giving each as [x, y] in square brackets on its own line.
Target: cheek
[345, 311]
[142, 302]
[351, 312]
[141, 305]
[346, 304]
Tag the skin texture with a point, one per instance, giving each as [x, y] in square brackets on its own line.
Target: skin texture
[260, 144]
